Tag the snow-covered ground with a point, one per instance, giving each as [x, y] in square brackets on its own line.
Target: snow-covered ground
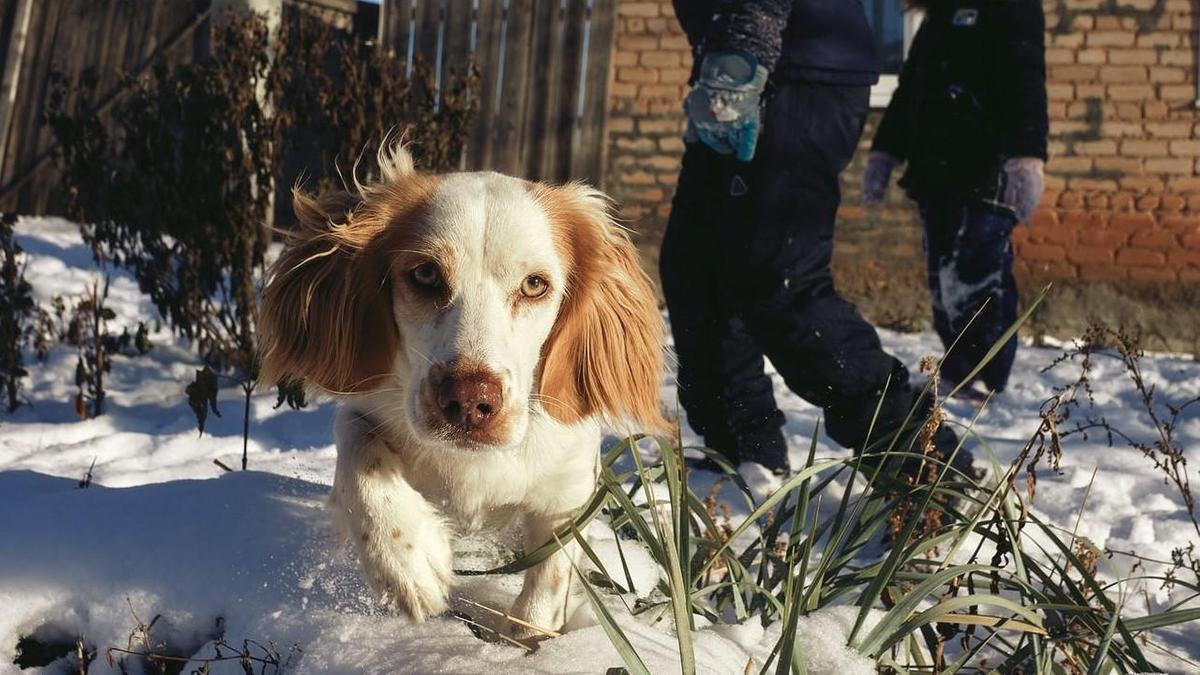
[165, 531]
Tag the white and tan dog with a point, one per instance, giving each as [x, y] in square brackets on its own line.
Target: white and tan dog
[478, 329]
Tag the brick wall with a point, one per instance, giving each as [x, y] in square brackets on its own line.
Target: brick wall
[650, 73]
[1119, 225]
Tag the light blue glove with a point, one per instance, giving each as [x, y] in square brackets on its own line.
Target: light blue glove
[723, 108]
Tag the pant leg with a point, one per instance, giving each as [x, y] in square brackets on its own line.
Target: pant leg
[776, 262]
[969, 252]
[722, 386]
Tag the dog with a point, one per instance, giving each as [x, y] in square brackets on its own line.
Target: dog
[479, 331]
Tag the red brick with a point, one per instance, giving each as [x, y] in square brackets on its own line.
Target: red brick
[675, 75]
[1181, 257]
[662, 162]
[670, 144]
[1154, 239]
[642, 9]
[657, 26]
[1148, 202]
[625, 58]
[637, 42]
[1133, 56]
[1110, 39]
[1169, 129]
[1088, 184]
[1185, 184]
[620, 125]
[637, 75]
[648, 195]
[1044, 218]
[1056, 235]
[636, 178]
[659, 126]
[1060, 56]
[676, 43]
[1089, 254]
[1122, 201]
[1046, 252]
[1144, 147]
[1070, 165]
[1158, 39]
[1104, 146]
[622, 90]
[1070, 200]
[663, 91]
[1106, 238]
[1178, 57]
[1190, 148]
[1140, 257]
[1156, 110]
[1142, 183]
[1177, 92]
[633, 26]
[1077, 219]
[1074, 73]
[1124, 74]
[1131, 221]
[1168, 74]
[1172, 203]
[660, 59]
[636, 144]
[1173, 166]
[1184, 224]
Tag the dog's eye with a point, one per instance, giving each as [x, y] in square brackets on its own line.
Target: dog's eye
[534, 286]
[427, 274]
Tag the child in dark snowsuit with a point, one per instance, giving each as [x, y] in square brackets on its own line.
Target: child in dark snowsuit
[969, 117]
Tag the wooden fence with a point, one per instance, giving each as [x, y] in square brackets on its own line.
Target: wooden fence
[543, 66]
[111, 37]
[544, 73]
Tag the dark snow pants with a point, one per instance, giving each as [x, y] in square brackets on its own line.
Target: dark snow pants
[746, 272]
[969, 250]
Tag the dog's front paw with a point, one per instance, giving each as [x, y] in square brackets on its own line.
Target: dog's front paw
[413, 573]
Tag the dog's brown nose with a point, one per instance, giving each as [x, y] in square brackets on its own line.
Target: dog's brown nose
[470, 401]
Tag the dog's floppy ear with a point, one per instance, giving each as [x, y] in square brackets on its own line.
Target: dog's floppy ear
[325, 315]
[604, 354]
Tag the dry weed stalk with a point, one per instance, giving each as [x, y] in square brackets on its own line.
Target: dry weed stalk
[1164, 449]
[252, 653]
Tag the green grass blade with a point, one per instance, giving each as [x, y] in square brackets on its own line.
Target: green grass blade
[618, 638]
[681, 599]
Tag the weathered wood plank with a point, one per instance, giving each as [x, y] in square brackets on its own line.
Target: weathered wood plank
[489, 51]
[588, 151]
[545, 68]
[508, 123]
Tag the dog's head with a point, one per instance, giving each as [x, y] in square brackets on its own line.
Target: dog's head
[471, 299]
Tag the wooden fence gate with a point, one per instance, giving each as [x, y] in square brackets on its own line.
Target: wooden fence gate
[544, 70]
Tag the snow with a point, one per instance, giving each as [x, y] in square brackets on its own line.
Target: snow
[163, 530]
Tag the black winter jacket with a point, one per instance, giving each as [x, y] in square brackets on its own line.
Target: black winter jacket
[971, 94]
[812, 40]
